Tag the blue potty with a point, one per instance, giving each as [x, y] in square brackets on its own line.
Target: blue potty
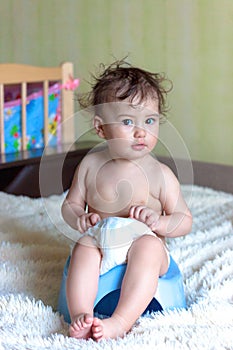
[169, 294]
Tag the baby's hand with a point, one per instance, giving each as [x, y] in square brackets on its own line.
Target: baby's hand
[146, 215]
[87, 220]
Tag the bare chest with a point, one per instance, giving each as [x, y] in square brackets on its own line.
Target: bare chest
[114, 192]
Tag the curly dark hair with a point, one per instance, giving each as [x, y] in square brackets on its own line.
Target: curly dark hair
[120, 81]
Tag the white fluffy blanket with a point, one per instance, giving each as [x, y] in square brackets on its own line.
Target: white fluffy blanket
[34, 245]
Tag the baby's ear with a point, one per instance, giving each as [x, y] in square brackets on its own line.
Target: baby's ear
[98, 125]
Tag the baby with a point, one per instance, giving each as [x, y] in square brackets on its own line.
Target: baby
[123, 201]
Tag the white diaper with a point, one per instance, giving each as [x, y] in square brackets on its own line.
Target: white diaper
[114, 236]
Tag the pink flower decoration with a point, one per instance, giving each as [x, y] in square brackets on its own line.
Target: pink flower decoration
[71, 84]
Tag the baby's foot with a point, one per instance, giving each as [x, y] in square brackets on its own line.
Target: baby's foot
[80, 328]
[112, 327]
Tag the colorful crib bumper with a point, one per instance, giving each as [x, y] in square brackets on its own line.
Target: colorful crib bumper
[34, 119]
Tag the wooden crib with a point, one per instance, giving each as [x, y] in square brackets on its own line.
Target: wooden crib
[19, 171]
[11, 73]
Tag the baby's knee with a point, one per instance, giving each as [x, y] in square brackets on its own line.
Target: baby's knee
[148, 242]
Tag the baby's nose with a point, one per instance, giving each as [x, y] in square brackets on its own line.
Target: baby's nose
[139, 131]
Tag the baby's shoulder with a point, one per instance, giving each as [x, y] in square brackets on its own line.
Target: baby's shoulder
[155, 165]
[160, 169]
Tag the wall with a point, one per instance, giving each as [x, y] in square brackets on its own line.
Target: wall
[190, 40]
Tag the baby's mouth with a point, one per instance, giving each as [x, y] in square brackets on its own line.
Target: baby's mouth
[138, 146]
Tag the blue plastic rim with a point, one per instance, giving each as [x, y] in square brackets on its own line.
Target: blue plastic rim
[169, 295]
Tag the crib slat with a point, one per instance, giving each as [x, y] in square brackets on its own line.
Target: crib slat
[46, 111]
[68, 135]
[2, 143]
[23, 115]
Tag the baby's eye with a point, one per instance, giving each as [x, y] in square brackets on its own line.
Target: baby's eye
[127, 122]
[150, 121]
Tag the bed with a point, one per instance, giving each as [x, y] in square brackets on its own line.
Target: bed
[35, 243]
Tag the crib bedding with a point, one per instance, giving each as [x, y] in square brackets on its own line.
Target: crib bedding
[34, 118]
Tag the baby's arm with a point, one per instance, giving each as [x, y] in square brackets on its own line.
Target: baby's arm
[73, 207]
[177, 220]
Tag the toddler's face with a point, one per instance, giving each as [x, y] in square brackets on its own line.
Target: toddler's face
[131, 130]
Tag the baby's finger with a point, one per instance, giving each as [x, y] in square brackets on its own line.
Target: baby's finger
[151, 222]
[138, 211]
[82, 223]
[150, 219]
[131, 211]
[154, 225]
[94, 218]
[143, 214]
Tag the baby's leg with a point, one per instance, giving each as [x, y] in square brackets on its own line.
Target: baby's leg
[147, 260]
[81, 286]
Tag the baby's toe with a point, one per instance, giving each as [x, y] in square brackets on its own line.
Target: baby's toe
[97, 329]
